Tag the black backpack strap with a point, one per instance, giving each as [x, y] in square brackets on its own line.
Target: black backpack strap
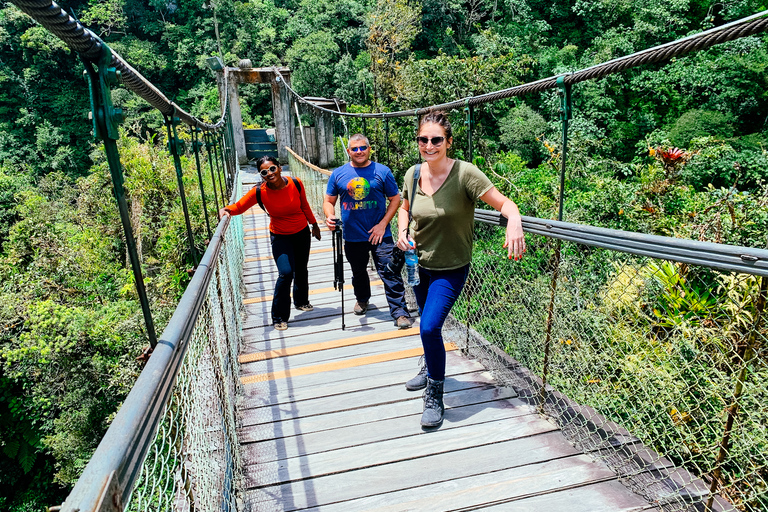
[258, 199]
[297, 183]
[416, 172]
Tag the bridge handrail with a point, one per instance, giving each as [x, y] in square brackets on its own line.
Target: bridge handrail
[115, 465]
[747, 260]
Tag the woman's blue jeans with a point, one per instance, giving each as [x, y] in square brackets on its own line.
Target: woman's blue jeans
[436, 293]
[291, 254]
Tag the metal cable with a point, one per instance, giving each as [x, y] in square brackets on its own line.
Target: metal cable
[741, 28]
[87, 44]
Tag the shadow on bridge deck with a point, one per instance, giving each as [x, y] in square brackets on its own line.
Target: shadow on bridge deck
[327, 424]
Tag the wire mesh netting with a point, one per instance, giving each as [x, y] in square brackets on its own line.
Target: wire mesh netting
[194, 463]
[657, 368]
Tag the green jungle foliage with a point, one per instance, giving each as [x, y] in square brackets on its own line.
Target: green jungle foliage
[70, 327]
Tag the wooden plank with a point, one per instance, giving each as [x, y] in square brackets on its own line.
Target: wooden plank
[408, 473]
[386, 346]
[415, 446]
[265, 258]
[599, 497]
[347, 436]
[319, 327]
[266, 298]
[510, 486]
[263, 428]
[326, 345]
[341, 382]
[364, 398]
[347, 363]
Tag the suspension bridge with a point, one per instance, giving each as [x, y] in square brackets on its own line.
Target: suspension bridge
[554, 396]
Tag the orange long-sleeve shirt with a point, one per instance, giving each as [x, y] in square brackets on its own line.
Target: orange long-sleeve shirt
[288, 209]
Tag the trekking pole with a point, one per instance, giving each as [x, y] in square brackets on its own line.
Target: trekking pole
[338, 267]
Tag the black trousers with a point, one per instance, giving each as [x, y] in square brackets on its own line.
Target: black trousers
[291, 254]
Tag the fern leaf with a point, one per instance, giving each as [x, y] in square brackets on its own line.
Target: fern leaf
[26, 457]
[11, 448]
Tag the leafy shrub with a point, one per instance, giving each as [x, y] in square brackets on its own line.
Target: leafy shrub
[700, 123]
[521, 130]
[720, 165]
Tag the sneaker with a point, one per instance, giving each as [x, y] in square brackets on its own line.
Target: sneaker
[281, 326]
[403, 322]
[360, 308]
[305, 307]
[420, 380]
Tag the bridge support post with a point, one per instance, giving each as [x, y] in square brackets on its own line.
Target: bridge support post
[745, 353]
[565, 114]
[235, 115]
[197, 146]
[281, 108]
[174, 146]
[208, 149]
[324, 139]
[106, 119]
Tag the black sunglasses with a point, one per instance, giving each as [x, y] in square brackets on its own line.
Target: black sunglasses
[436, 141]
[268, 170]
[360, 148]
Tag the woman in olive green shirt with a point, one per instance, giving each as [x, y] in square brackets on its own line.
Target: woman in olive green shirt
[442, 229]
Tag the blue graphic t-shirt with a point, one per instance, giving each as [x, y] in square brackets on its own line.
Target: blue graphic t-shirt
[363, 193]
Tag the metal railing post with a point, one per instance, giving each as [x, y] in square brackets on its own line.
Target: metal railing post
[219, 165]
[196, 145]
[106, 119]
[386, 140]
[565, 114]
[468, 111]
[745, 353]
[413, 138]
[208, 147]
[174, 146]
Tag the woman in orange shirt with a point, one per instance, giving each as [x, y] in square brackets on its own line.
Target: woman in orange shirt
[289, 213]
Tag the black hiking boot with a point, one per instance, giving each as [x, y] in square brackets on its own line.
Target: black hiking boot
[432, 417]
[420, 380]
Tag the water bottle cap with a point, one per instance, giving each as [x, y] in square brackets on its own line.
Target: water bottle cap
[410, 242]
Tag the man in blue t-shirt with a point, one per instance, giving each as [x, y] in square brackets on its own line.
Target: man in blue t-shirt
[365, 187]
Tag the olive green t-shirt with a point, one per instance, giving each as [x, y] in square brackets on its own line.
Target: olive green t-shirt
[443, 223]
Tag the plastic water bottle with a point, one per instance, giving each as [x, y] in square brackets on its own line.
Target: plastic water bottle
[412, 266]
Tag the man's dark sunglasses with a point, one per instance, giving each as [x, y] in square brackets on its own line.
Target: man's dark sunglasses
[360, 148]
[268, 170]
[436, 141]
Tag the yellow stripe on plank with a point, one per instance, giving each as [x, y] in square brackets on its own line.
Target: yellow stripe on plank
[264, 258]
[339, 365]
[255, 237]
[265, 298]
[327, 345]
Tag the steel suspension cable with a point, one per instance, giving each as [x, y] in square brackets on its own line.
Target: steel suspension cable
[744, 27]
[51, 16]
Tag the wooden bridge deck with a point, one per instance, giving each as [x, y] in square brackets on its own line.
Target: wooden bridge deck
[327, 423]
